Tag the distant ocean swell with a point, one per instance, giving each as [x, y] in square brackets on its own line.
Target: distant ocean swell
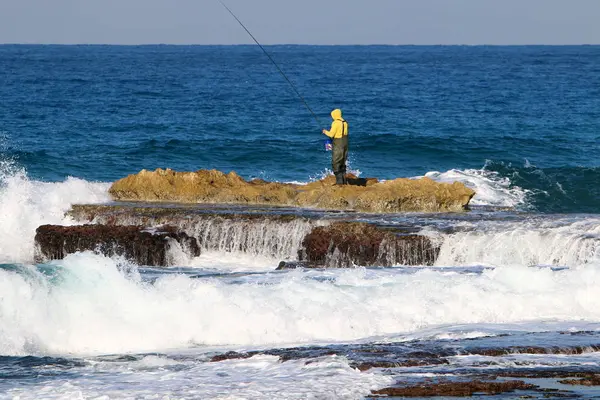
[554, 190]
[529, 188]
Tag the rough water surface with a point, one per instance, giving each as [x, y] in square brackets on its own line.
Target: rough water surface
[506, 302]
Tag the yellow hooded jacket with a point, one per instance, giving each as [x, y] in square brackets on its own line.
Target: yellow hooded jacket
[339, 126]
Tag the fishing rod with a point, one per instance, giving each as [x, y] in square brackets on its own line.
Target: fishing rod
[275, 64]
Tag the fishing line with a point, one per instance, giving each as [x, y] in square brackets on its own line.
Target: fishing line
[275, 64]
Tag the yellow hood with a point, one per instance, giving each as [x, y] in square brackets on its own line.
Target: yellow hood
[336, 114]
[339, 127]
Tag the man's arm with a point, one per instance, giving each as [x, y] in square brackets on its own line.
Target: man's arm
[331, 133]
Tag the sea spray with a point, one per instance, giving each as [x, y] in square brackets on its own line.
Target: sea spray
[491, 188]
[268, 237]
[567, 241]
[26, 204]
[89, 307]
[329, 377]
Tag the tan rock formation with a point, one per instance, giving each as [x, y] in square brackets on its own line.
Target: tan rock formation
[366, 195]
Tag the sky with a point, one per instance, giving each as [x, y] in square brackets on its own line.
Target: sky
[469, 22]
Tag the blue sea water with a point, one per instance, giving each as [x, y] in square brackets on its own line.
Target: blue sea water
[530, 114]
[520, 125]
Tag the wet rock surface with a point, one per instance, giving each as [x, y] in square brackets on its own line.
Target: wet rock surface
[283, 265]
[455, 389]
[233, 355]
[429, 369]
[586, 380]
[135, 243]
[566, 350]
[172, 214]
[368, 194]
[251, 231]
[307, 241]
[345, 244]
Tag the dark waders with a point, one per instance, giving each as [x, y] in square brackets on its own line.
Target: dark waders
[339, 155]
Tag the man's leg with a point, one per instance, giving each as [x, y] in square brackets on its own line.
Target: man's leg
[344, 145]
[338, 164]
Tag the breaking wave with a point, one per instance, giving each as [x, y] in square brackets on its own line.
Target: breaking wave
[26, 204]
[86, 305]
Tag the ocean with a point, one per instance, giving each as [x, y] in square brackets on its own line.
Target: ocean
[514, 291]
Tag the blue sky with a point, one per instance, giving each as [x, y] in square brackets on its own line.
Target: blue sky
[301, 21]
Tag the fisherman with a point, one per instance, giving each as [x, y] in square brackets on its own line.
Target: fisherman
[339, 135]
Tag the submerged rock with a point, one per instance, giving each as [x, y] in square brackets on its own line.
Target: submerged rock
[589, 380]
[133, 242]
[292, 265]
[345, 244]
[367, 195]
[455, 389]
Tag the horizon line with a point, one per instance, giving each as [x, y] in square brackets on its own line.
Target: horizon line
[302, 44]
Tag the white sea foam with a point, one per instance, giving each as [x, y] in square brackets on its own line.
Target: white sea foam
[89, 307]
[26, 204]
[491, 188]
[327, 172]
[527, 361]
[239, 240]
[233, 262]
[263, 239]
[259, 377]
[486, 330]
[568, 242]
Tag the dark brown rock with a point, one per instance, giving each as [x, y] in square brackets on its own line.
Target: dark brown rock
[364, 366]
[133, 242]
[545, 374]
[455, 389]
[589, 380]
[283, 265]
[233, 355]
[344, 244]
[502, 351]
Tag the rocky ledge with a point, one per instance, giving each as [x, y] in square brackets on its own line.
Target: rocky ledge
[367, 195]
[497, 380]
[345, 244]
[135, 243]
[146, 235]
